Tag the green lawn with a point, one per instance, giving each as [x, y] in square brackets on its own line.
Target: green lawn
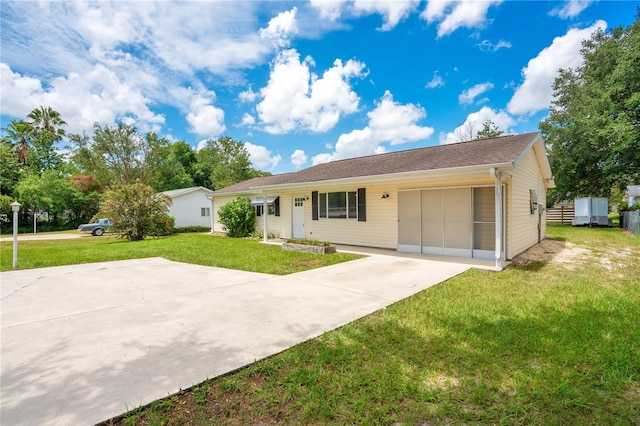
[201, 249]
[553, 342]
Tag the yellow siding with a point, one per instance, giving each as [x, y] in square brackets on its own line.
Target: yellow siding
[381, 226]
[523, 226]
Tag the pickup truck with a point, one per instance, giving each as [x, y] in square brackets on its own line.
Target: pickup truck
[96, 228]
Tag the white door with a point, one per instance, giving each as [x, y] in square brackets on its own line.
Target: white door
[298, 217]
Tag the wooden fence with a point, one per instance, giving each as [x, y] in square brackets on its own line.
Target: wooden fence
[562, 214]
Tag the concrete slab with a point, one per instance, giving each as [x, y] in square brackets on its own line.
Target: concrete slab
[81, 344]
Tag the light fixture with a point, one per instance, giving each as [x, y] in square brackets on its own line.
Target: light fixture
[15, 208]
[385, 195]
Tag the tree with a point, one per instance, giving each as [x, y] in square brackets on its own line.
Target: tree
[466, 132]
[237, 217]
[115, 155]
[19, 133]
[11, 170]
[166, 168]
[593, 129]
[137, 211]
[225, 161]
[489, 130]
[46, 129]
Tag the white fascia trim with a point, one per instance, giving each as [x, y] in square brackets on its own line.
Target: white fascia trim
[404, 177]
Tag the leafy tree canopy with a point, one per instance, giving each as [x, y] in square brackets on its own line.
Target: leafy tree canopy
[593, 129]
[225, 161]
[489, 130]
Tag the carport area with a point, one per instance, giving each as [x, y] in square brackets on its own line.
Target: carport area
[84, 343]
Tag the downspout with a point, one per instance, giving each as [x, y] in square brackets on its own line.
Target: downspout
[265, 213]
[498, 208]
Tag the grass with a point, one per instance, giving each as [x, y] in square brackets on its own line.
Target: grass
[201, 249]
[550, 342]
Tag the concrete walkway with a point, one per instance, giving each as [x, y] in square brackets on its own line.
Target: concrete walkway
[84, 343]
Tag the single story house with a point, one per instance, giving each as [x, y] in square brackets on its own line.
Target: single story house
[191, 206]
[476, 199]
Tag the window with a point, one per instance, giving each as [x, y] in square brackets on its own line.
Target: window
[273, 206]
[338, 205]
[205, 211]
[270, 210]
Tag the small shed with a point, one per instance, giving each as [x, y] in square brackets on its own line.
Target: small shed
[191, 206]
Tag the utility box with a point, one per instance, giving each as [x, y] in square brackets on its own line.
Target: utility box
[591, 211]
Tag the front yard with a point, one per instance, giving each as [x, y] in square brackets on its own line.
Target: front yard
[200, 249]
[551, 340]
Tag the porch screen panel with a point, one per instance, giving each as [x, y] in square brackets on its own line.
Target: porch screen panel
[457, 222]
[432, 221]
[484, 219]
[409, 221]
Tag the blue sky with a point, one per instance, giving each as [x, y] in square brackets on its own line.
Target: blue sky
[299, 82]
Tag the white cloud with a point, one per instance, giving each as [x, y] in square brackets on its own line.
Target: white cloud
[469, 95]
[298, 158]
[454, 14]
[261, 157]
[390, 122]
[248, 119]
[436, 81]
[571, 9]
[536, 92]
[473, 124]
[281, 28]
[296, 98]
[330, 9]
[204, 118]
[92, 73]
[248, 95]
[487, 46]
[98, 96]
[392, 12]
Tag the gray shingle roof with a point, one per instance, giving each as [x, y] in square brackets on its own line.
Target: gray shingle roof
[500, 150]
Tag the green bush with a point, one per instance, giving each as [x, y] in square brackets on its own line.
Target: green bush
[238, 218]
[190, 229]
[309, 242]
[137, 211]
[259, 234]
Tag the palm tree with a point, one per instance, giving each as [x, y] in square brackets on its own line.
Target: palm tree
[19, 132]
[47, 120]
[46, 127]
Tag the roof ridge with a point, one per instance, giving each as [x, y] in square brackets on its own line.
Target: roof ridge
[416, 149]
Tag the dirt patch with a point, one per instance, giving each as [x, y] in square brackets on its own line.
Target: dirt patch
[548, 250]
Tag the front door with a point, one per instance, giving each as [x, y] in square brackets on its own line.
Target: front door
[298, 217]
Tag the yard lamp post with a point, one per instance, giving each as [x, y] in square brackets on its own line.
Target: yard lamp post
[15, 208]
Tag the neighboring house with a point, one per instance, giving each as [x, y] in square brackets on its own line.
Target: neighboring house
[632, 195]
[440, 200]
[191, 206]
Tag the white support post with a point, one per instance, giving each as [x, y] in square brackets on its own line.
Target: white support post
[213, 221]
[498, 209]
[265, 212]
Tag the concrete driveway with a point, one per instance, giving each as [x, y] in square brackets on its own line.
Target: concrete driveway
[84, 343]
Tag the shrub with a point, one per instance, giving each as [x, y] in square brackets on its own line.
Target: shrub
[259, 234]
[309, 242]
[137, 211]
[193, 228]
[237, 217]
